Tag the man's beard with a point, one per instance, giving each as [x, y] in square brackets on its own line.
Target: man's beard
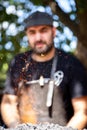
[44, 51]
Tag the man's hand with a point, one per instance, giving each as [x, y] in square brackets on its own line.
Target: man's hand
[79, 119]
[9, 110]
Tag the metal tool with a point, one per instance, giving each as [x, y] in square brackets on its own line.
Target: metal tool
[41, 81]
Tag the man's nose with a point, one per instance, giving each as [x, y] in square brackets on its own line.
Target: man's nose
[38, 36]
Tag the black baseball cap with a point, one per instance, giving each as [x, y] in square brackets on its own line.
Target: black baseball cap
[38, 18]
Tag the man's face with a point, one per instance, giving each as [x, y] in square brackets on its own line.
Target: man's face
[41, 38]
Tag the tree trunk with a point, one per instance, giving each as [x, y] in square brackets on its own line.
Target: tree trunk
[81, 50]
[81, 53]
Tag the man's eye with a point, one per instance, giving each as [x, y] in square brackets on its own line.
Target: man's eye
[31, 33]
[44, 30]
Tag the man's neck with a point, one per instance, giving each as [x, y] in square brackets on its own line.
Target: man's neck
[44, 57]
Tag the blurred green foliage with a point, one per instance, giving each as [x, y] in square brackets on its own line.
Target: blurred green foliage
[9, 44]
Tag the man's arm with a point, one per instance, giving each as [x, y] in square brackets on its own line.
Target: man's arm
[79, 119]
[9, 110]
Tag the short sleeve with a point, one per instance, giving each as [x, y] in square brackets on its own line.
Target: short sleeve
[78, 82]
[10, 83]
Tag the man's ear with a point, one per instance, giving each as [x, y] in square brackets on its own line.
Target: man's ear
[54, 31]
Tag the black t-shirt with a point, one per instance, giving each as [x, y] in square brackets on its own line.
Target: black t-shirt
[74, 83]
